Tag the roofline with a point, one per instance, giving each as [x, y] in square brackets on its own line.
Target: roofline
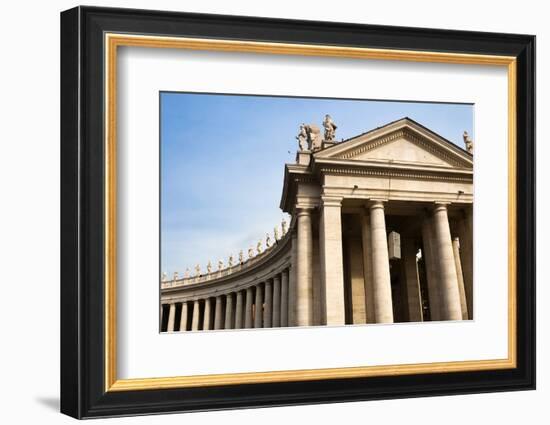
[405, 119]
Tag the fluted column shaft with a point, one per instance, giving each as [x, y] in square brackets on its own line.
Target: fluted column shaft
[171, 318]
[460, 278]
[258, 307]
[367, 267]
[248, 308]
[450, 297]
[432, 273]
[239, 310]
[383, 306]
[292, 281]
[218, 314]
[465, 233]
[304, 269]
[196, 316]
[284, 298]
[412, 283]
[332, 262]
[276, 301]
[207, 319]
[228, 311]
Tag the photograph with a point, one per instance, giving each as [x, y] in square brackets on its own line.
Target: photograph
[280, 211]
[284, 209]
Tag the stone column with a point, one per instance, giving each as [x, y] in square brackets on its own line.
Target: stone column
[171, 318]
[460, 278]
[284, 298]
[196, 316]
[432, 274]
[412, 284]
[268, 304]
[465, 233]
[183, 317]
[228, 311]
[292, 292]
[450, 297]
[356, 276]
[304, 269]
[218, 314]
[331, 256]
[207, 319]
[276, 301]
[239, 310]
[383, 306]
[367, 267]
[248, 308]
[258, 307]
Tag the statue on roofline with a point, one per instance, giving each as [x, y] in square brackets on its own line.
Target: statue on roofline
[330, 128]
[468, 142]
[302, 138]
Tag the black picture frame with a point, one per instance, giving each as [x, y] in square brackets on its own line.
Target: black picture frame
[83, 392]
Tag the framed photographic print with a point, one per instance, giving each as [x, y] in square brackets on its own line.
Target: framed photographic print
[261, 212]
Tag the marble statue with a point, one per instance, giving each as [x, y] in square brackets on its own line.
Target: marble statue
[259, 247]
[283, 227]
[176, 276]
[267, 240]
[276, 233]
[302, 138]
[198, 270]
[468, 142]
[220, 264]
[250, 253]
[209, 267]
[314, 137]
[186, 273]
[330, 128]
[230, 260]
[241, 256]
[164, 276]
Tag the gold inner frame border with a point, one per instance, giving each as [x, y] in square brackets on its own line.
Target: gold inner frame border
[113, 40]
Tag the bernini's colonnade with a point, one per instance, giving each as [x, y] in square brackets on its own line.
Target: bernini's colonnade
[381, 232]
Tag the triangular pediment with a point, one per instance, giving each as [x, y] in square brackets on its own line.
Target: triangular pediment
[404, 141]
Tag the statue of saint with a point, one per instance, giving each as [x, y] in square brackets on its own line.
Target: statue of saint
[468, 142]
[186, 273]
[267, 240]
[330, 128]
[302, 138]
[314, 137]
[241, 256]
[283, 227]
[164, 276]
[250, 253]
[209, 267]
[259, 247]
[220, 265]
[197, 270]
[230, 261]
[276, 233]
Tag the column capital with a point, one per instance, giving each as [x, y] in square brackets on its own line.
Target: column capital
[376, 203]
[303, 211]
[331, 201]
[439, 205]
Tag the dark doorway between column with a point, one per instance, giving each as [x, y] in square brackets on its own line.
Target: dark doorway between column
[164, 321]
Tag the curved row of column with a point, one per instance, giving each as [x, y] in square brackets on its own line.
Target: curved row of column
[263, 305]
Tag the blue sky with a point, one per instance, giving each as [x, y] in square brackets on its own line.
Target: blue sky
[223, 156]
